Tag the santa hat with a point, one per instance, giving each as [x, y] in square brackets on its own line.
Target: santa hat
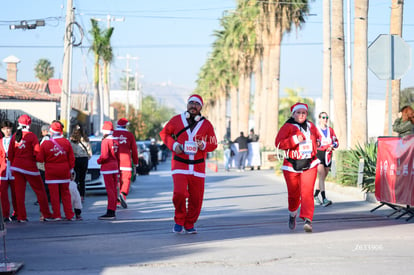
[298, 106]
[195, 98]
[56, 127]
[123, 122]
[24, 120]
[107, 128]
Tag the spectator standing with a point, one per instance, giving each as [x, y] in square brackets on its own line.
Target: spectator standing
[404, 124]
[227, 154]
[300, 139]
[57, 154]
[83, 152]
[23, 149]
[6, 177]
[241, 156]
[154, 154]
[254, 154]
[109, 161]
[329, 142]
[190, 137]
[128, 158]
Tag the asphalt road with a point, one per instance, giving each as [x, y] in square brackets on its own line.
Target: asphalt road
[242, 230]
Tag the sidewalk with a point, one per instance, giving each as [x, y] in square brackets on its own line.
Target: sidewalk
[242, 230]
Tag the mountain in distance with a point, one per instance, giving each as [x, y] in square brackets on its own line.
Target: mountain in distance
[168, 94]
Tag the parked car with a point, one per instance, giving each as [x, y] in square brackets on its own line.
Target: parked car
[143, 150]
[94, 180]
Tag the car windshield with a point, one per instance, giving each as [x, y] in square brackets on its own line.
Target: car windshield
[96, 147]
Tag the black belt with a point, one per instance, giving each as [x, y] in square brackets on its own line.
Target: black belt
[188, 161]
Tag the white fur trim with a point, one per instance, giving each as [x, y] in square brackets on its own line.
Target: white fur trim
[196, 99]
[299, 106]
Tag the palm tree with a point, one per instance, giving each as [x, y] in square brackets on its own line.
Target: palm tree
[44, 70]
[107, 57]
[360, 76]
[338, 72]
[326, 81]
[395, 29]
[96, 47]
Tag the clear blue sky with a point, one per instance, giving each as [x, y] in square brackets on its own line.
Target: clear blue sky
[172, 40]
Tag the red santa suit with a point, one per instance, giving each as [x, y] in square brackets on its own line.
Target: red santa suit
[22, 155]
[128, 154]
[300, 165]
[6, 179]
[188, 168]
[57, 154]
[328, 140]
[109, 161]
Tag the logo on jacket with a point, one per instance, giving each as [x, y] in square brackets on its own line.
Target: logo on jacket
[122, 139]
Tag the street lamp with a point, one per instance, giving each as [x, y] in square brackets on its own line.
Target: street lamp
[26, 26]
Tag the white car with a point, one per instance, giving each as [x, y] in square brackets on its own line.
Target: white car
[94, 179]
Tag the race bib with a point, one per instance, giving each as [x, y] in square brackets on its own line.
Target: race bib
[305, 149]
[325, 141]
[190, 148]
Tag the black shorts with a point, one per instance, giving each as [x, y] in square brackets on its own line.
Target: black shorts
[321, 156]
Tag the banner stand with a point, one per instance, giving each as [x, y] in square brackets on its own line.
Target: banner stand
[406, 210]
[6, 267]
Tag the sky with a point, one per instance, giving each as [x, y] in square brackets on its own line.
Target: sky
[168, 41]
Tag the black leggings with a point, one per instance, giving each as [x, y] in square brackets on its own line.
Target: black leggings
[81, 166]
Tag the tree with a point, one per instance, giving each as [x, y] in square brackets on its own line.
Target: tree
[107, 57]
[338, 72]
[293, 96]
[44, 70]
[406, 97]
[359, 118]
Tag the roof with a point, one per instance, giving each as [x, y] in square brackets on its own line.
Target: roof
[21, 92]
[55, 86]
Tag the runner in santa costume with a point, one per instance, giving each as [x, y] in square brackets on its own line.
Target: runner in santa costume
[6, 176]
[299, 138]
[189, 136]
[23, 149]
[109, 161]
[57, 154]
[128, 158]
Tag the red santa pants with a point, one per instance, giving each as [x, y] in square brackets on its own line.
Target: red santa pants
[38, 188]
[57, 192]
[300, 191]
[111, 183]
[125, 181]
[5, 202]
[191, 188]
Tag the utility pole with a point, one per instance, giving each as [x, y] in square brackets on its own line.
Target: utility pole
[65, 107]
[127, 58]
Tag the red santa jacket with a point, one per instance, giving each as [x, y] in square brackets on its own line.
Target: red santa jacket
[127, 149]
[327, 141]
[22, 155]
[5, 172]
[57, 154]
[287, 140]
[109, 159]
[190, 164]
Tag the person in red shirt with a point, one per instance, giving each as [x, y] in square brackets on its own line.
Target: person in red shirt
[299, 138]
[109, 161]
[190, 137]
[128, 158]
[23, 149]
[57, 154]
[6, 177]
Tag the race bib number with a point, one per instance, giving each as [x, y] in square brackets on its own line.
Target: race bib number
[305, 149]
[325, 142]
[190, 148]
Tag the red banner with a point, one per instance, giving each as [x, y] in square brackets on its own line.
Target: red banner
[394, 179]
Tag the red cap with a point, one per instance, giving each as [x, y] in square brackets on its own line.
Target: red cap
[123, 122]
[298, 106]
[24, 120]
[195, 98]
[56, 127]
[108, 126]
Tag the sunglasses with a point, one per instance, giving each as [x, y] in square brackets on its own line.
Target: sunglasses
[323, 117]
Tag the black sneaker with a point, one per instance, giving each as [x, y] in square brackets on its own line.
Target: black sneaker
[292, 222]
[107, 217]
[7, 220]
[308, 226]
[122, 200]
